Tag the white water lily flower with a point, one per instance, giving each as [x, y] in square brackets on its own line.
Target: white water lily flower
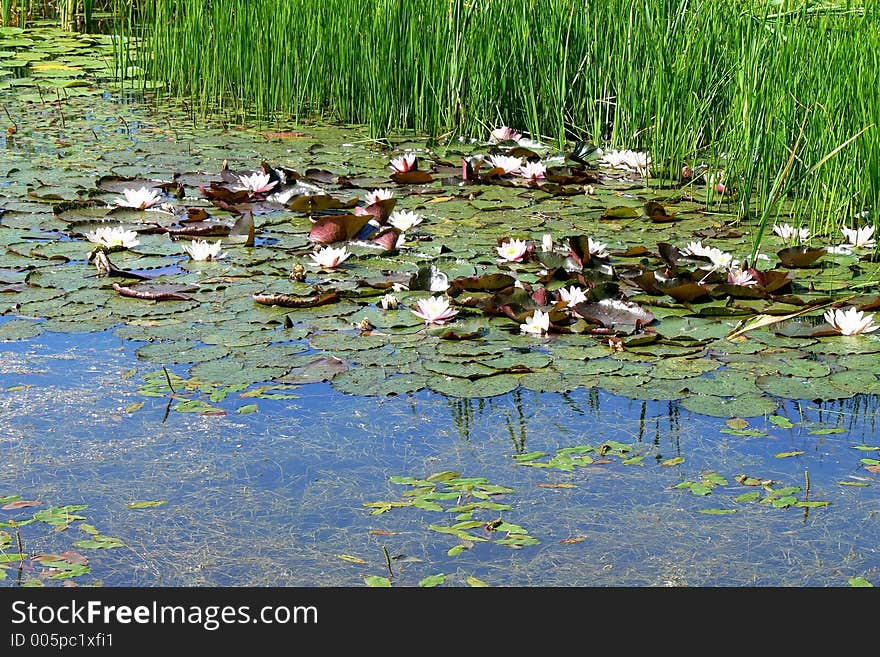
[504, 133]
[203, 250]
[740, 276]
[572, 296]
[434, 310]
[626, 159]
[546, 242]
[329, 256]
[513, 250]
[389, 302]
[787, 232]
[141, 199]
[506, 163]
[696, 249]
[860, 238]
[257, 183]
[850, 321]
[533, 170]
[596, 248]
[719, 260]
[537, 323]
[403, 220]
[378, 195]
[113, 236]
[404, 163]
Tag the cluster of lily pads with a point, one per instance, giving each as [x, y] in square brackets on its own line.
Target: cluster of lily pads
[470, 268]
[344, 270]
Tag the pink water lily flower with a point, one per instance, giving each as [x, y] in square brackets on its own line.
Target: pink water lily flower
[434, 310]
[330, 257]
[513, 250]
[572, 296]
[378, 195]
[140, 199]
[850, 321]
[537, 323]
[740, 276]
[533, 170]
[504, 133]
[404, 163]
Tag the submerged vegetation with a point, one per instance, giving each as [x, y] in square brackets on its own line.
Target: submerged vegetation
[783, 97]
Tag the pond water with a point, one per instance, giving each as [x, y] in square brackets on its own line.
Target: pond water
[214, 440]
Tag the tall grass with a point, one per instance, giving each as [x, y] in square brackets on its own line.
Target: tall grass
[729, 82]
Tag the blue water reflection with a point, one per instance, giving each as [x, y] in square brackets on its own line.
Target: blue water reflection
[276, 497]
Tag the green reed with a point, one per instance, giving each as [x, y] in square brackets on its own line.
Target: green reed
[725, 82]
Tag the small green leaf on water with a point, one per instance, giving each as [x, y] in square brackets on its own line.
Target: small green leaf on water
[146, 504]
[473, 581]
[87, 528]
[870, 461]
[781, 421]
[743, 432]
[783, 502]
[717, 512]
[432, 580]
[829, 430]
[426, 504]
[737, 423]
[131, 408]
[247, 408]
[348, 557]
[21, 387]
[517, 541]
[456, 549]
[377, 582]
[673, 461]
[700, 489]
[444, 476]
[635, 460]
[12, 556]
[751, 496]
[860, 581]
[853, 483]
[864, 448]
[715, 479]
[783, 455]
[812, 505]
[99, 542]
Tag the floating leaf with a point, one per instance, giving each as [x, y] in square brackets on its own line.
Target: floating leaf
[859, 581]
[377, 582]
[147, 504]
[782, 455]
[347, 557]
[432, 580]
